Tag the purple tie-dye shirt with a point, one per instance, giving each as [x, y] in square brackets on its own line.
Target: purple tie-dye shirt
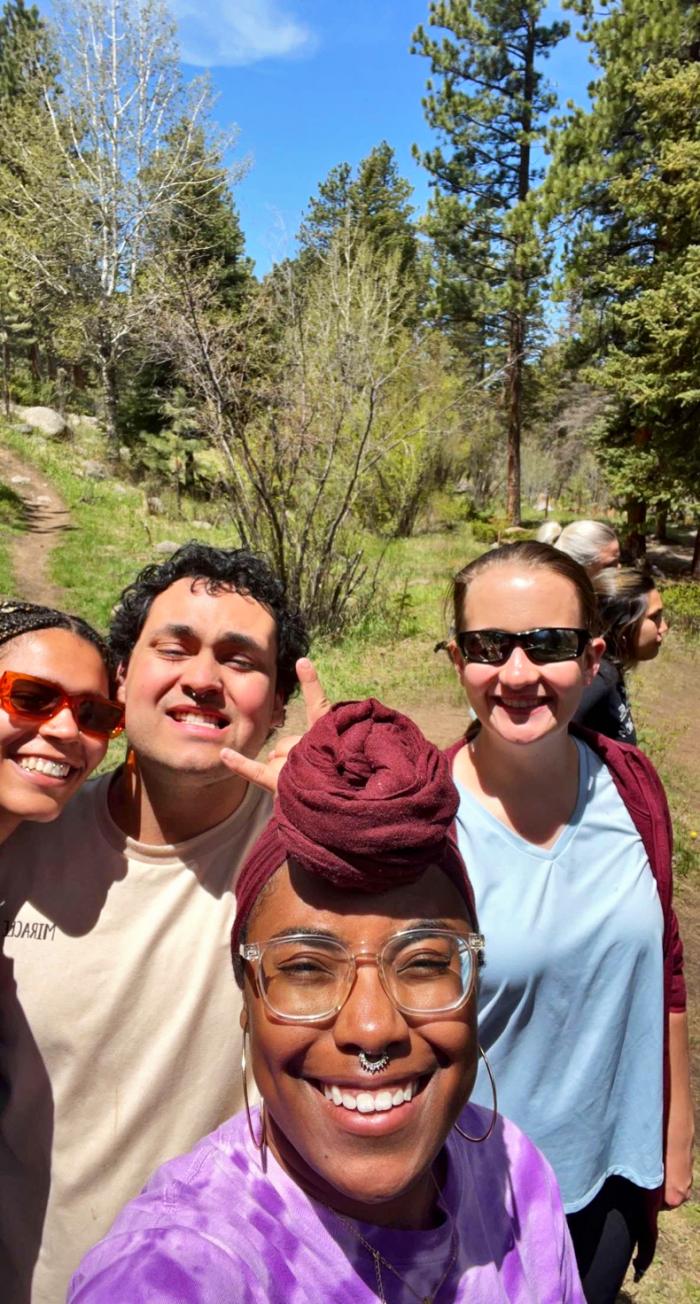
[212, 1228]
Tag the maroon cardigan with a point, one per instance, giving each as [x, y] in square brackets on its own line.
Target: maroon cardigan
[641, 791]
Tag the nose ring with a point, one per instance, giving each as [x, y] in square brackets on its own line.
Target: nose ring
[195, 694]
[373, 1063]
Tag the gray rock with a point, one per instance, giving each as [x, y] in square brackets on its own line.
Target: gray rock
[95, 470]
[201, 525]
[20, 479]
[120, 489]
[43, 500]
[45, 419]
[166, 546]
[155, 505]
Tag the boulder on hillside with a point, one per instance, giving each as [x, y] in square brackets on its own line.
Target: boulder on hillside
[166, 546]
[95, 470]
[44, 419]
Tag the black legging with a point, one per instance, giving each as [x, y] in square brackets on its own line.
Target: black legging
[604, 1236]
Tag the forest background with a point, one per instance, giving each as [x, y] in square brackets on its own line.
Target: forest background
[400, 391]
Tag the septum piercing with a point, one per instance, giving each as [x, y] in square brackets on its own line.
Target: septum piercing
[373, 1063]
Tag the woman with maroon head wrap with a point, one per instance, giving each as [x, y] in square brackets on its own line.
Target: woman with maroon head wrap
[360, 1177]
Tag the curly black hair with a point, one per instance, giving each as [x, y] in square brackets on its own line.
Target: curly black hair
[221, 569]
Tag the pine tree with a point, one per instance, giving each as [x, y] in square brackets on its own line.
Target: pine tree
[202, 224]
[27, 65]
[627, 173]
[489, 106]
[375, 204]
[23, 47]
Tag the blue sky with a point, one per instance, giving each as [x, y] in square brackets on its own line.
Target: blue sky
[311, 83]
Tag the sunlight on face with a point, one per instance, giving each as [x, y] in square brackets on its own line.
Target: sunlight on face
[520, 702]
[64, 756]
[360, 1162]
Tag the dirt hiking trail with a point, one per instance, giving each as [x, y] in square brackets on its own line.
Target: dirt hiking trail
[46, 517]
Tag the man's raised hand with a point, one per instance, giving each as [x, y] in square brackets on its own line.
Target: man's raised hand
[266, 773]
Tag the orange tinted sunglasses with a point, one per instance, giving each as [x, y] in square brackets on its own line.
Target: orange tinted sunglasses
[38, 700]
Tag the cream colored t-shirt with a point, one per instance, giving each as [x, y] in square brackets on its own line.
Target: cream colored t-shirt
[120, 1042]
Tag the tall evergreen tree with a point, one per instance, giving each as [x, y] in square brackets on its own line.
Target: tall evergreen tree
[627, 173]
[23, 47]
[202, 223]
[489, 106]
[27, 65]
[375, 203]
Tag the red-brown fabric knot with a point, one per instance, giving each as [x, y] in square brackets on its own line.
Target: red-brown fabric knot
[365, 801]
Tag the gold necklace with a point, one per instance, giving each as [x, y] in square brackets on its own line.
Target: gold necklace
[380, 1261]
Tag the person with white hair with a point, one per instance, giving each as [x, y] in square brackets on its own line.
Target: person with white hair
[594, 545]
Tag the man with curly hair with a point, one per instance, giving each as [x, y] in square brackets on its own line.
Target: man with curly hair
[118, 1050]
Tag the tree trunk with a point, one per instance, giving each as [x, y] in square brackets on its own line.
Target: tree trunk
[695, 565]
[6, 375]
[635, 542]
[514, 401]
[516, 334]
[109, 394]
[662, 523]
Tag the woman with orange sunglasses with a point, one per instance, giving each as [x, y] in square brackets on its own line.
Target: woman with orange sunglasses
[56, 715]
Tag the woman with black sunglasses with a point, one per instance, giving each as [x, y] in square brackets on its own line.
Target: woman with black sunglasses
[56, 716]
[567, 839]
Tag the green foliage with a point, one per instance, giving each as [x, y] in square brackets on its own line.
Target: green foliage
[489, 108]
[23, 45]
[202, 223]
[375, 203]
[628, 173]
[682, 605]
[12, 522]
[424, 419]
[11, 508]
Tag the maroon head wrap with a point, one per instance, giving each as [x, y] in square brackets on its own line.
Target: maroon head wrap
[366, 802]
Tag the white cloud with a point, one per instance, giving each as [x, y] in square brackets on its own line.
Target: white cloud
[223, 33]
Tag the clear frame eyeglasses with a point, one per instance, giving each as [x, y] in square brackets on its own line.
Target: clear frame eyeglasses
[307, 977]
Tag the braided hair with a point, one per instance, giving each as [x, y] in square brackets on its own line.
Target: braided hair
[17, 618]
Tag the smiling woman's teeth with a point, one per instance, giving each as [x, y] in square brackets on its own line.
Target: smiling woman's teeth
[370, 1102]
[57, 769]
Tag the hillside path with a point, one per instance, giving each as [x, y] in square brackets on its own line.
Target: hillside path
[46, 517]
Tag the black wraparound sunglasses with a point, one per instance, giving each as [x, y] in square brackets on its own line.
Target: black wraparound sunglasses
[492, 647]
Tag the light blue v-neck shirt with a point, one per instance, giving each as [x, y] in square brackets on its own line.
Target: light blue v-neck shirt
[571, 995]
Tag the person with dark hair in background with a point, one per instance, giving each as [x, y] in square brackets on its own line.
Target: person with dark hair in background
[632, 622]
[117, 927]
[567, 840]
[365, 1175]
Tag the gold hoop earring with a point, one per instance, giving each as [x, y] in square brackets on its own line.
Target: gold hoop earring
[261, 1144]
[478, 1139]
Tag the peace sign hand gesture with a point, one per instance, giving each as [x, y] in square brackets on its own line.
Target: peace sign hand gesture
[266, 773]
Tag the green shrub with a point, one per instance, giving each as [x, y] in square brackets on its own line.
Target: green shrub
[447, 511]
[484, 531]
[682, 605]
[497, 530]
